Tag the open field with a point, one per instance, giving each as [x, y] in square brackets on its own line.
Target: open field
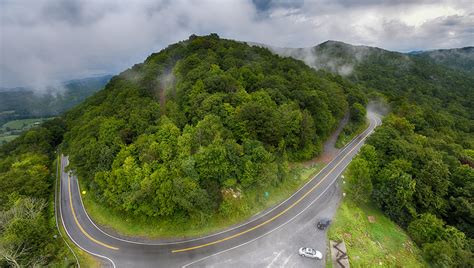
[12, 129]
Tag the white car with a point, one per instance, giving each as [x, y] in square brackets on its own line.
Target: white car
[310, 253]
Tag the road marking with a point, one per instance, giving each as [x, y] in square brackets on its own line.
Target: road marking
[67, 232]
[77, 222]
[276, 216]
[275, 258]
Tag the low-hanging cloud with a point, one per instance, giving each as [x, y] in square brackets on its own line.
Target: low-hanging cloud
[46, 41]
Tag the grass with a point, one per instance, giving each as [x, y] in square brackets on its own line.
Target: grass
[166, 228]
[381, 243]
[345, 138]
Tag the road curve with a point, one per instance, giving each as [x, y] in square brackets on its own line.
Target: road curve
[120, 252]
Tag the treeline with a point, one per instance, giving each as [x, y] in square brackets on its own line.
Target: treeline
[167, 137]
[28, 234]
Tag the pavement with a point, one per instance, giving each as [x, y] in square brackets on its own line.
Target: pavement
[270, 239]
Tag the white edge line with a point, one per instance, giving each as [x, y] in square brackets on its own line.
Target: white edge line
[77, 244]
[56, 198]
[283, 224]
[227, 230]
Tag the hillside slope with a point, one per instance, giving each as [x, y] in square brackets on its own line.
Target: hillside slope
[418, 166]
[461, 59]
[171, 136]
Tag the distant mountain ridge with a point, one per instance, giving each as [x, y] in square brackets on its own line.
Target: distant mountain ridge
[21, 102]
[340, 57]
[456, 58]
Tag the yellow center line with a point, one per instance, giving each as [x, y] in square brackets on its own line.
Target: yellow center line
[274, 217]
[77, 222]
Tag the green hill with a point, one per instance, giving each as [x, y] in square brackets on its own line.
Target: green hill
[167, 137]
[419, 166]
[461, 59]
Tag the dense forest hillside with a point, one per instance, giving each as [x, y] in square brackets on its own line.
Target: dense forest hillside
[19, 103]
[28, 234]
[420, 162]
[168, 136]
[461, 59]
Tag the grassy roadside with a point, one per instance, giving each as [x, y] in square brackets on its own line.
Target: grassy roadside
[84, 258]
[347, 134]
[379, 243]
[254, 202]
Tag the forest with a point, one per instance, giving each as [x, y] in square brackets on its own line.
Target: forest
[220, 115]
[167, 137]
[28, 234]
[418, 166]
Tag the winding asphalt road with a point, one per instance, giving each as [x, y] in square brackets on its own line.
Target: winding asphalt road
[201, 251]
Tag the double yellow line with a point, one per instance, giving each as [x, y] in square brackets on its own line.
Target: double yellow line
[77, 222]
[274, 217]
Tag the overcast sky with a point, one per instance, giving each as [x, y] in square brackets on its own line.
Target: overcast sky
[45, 41]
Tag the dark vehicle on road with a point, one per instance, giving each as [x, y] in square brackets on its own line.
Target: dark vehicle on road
[323, 224]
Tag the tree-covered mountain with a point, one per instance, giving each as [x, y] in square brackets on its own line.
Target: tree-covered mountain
[461, 59]
[19, 103]
[420, 161]
[168, 136]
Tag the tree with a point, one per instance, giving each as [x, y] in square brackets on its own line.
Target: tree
[28, 175]
[439, 254]
[426, 229]
[432, 183]
[393, 191]
[359, 180]
[24, 235]
[358, 112]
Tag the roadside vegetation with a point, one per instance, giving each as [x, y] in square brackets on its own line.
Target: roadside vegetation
[356, 125]
[371, 238]
[248, 205]
[28, 234]
[417, 168]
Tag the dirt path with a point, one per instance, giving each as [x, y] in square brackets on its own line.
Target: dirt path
[329, 147]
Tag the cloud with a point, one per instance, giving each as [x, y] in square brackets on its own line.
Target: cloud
[46, 41]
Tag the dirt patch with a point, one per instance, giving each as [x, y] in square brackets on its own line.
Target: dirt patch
[347, 236]
[371, 219]
[329, 149]
[162, 99]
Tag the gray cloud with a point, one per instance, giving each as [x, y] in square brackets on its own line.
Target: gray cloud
[45, 41]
